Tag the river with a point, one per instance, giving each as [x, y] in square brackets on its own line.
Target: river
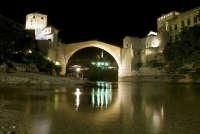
[102, 108]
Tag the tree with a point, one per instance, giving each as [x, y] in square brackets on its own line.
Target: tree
[13, 39]
[185, 50]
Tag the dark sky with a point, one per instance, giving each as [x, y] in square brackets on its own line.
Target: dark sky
[105, 20]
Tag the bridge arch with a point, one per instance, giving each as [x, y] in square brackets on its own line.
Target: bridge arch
[62, 52]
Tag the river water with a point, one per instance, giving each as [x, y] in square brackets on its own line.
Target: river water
[102, 108]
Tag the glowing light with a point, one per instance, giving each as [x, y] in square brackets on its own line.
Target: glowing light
[152, 33]
[57, 63]
[102, 96]
[162, 112]
[98, 97]
[156, 120]
[78, 69]
[93, 97]
[48, 58]
[77, 94]
[106, 98]
[98, 63]
[30, 51]
[155, 42]
[106, 64]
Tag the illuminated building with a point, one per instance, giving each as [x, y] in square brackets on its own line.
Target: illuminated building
[174, 22]
[38, 23]
[150, 48]
[144, 49]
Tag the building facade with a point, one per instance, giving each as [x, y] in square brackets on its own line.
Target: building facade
[150, 48]
[39, 23]
[144, 49]
[174, 22]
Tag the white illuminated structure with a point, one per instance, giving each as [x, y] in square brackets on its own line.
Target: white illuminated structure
[38, 23]
[152, 40]
[155, 42]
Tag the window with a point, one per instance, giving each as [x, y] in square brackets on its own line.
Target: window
[42, 18]
[170, 28]
[195, 19]
[188, 21]
[176, 37]
[175, 26]
[170, 38]
[182, 23]
[34, 16]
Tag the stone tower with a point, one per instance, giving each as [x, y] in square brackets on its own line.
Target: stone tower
[36, 21]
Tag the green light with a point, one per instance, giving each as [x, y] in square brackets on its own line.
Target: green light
[106, 64]
[98, 63]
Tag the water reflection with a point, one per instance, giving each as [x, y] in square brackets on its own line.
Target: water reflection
[101, 95]
[128, 108]
[77, 94]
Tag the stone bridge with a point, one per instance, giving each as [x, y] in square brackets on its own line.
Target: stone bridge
[61, 53]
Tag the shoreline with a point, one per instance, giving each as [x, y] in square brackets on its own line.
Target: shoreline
[45, 80]
[36, 79]
[166, 78]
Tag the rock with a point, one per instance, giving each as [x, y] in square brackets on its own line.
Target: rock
[20, 67]
[3, 67]
[10, 67]
[32, 68]
[53, 72]
[10, 70]
[187, 79]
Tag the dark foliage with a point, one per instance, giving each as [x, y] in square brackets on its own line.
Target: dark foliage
[184, 51]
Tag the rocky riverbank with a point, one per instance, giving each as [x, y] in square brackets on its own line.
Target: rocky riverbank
[11, 120]
[37, 79]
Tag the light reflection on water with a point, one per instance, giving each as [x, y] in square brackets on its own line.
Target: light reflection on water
[77, 94]
[120, 108]
[101, 95]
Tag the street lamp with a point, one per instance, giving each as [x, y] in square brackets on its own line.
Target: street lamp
[78, 69]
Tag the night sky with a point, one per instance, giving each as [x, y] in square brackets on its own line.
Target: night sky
[98, 19]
